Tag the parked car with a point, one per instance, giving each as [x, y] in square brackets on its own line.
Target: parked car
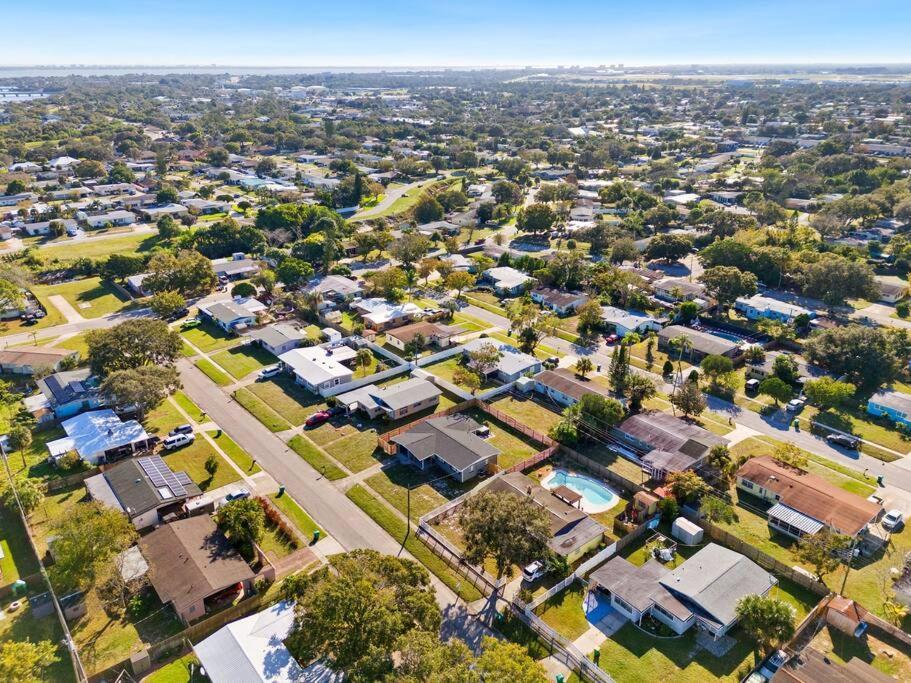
[751, 386]
[533, 571]
[612, 339]
[181, 429]
[178, 441]
[177, 315]
[270, 371]
[893, 519]
[187, 324]
[337, 410]
[845, 440]
[317, 419]
[795, 405]
[237, 495]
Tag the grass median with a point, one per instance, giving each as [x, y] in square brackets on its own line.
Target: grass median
[261, 411]
[315, 458]
[210, 370]
[396, 528]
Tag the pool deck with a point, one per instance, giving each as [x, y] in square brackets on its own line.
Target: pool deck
[588, 506]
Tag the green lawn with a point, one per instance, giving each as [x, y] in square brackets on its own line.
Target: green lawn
[514, 447]
[396, 528]
[297, 515]
[76, 343]
[241, 360]
[312, 455]
[163, 418]
[20, 625]
[70, 250]
[210, 370]
[563, 612]
[528, 412]
[192, 459]
[356, 452]
[392, 483]
[190, 408]
[18, 559]
[207, 337]
[261, 411]
[178, 671]
[294, 403]
[446, 368]
[862, 425]
[91, 297]
[240, 457]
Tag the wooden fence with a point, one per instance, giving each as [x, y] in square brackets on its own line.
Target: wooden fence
[602, 471]
[476, 576]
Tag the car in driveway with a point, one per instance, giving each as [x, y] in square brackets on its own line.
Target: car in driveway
[893, 519]
[178, 441]
[843, 440]
[317, 419]
[612, 339]
[188, 324]
[795, 405]
[181, 429]
[533, 571]
[271, 371]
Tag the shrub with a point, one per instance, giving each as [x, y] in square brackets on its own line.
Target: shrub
[902, 309]
[667, 369]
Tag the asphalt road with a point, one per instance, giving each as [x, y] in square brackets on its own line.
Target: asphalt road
[329, 507]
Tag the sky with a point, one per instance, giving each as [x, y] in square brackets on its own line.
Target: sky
[453, 33]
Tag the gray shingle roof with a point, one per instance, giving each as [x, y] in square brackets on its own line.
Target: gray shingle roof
[450, 438]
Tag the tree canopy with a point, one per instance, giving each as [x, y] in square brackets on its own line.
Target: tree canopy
[132, 344]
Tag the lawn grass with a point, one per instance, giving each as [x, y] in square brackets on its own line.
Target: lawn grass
[261, 411]
[445, 369]
[312, 455]
[862, 425]
[356, 451]
[304, 523]
[396, 528]
[71, 250]
[163, 418]
[207, 337]
[241, 360]
[18, 559]
[91, 297]
[178, 671]
[392, 483]
[186, 404]
[513, 447]
[274, 543]
[76, 343]
[240, 457]
[563, 612]
[20, 626]
[294, 403]
[528, 412]
[192, 459]
[210, 370]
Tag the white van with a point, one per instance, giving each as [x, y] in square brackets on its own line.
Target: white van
[177, 441]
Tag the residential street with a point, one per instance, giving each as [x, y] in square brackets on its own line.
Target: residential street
[329, 507]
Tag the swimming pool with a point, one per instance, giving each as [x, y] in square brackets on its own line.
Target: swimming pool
[596, 497]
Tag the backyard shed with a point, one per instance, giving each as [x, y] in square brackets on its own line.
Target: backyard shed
[686, 531]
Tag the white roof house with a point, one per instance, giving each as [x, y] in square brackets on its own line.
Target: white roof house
[379, 313]
[507, 280]
[95, 433]
[513, 363]
[759, 306]
[320, 367]
[252, 649]
[625, 322]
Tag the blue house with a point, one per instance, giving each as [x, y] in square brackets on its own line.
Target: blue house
[71, 393]
[758, 306]
[892, 404]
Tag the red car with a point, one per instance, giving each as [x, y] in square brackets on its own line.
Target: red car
[612, 339]
[317, 419]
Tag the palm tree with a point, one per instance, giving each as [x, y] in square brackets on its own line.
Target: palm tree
[683, 344]
[584, 366]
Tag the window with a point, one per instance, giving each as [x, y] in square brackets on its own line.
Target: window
[746, 484]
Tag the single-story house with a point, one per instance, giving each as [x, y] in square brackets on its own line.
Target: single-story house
[759, 306]
[676, 289]
[232, 316]
[319, 368]
[206, 206]
[118, 217]
[100, 436]
[252, 649]
[449, 442]
[667, 443]
[379, 314]
[623, 322]
[890, 291]
[237, 267]
[766, 367]
[507, 281]
[561, 303]
[278, 338]
[892, 404]
[153, 213]
[513, 363]
[134, 284]
[434, 334]
[72, 392]
[26, 360]
[573, 532]
[445, 227]
[704, 590]
[804, 503]
[191, 563]
[335, 288]
[565, 387]
[44, 227]
[107, 190]
[145, 489]
[395, 401]
[702, 344]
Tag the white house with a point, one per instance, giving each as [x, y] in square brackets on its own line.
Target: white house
[512, 364]
[320, 368]
[378, 314]
[507, 281]
[561, 303]
[623, 322]
[118, 217]
[232, 316]
[98, 436]
[759, 306]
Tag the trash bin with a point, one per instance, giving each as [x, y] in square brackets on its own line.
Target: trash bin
[281, 491]
[560, 678]
[316, 536]
[596, 655]
[20, 587]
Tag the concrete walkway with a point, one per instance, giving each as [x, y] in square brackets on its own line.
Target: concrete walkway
[68, 312]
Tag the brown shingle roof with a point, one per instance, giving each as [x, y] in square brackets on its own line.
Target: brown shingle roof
[35, 356]
[566, 382]
[845, 512]
[191, 559]
[426, 329]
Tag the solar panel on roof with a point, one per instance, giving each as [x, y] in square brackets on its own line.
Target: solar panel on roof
[161, 475]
